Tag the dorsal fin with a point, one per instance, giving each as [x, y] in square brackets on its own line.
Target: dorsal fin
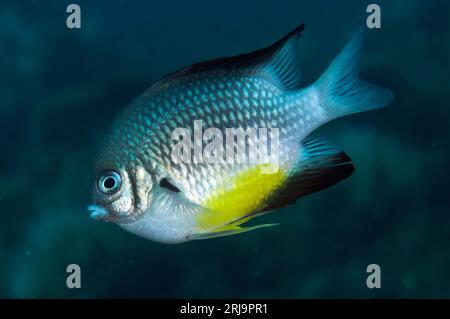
[278, 61]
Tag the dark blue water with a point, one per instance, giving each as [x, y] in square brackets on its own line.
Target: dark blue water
[61, 88]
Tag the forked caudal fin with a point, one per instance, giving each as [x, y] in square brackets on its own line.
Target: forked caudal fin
[340, 89]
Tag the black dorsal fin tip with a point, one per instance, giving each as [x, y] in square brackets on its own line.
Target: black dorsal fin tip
[297, 32]
[283, 64]
[247, 60]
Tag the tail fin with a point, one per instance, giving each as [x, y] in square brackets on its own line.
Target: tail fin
[340, 89]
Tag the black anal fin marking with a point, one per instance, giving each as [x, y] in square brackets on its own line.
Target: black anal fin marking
[320, 166]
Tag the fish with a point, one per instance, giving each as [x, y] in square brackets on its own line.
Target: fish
[139, 185]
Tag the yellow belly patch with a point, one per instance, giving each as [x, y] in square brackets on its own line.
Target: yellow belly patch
[248, 190]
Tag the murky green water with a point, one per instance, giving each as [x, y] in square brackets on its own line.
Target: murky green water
[61, 88]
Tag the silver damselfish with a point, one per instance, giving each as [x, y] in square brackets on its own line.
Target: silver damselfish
[141, 188]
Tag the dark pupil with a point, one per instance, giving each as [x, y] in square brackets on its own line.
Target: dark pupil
[109, 182]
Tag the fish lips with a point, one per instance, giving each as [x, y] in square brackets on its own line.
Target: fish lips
[98, 212]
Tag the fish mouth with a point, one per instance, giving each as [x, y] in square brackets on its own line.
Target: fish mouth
[98, 212]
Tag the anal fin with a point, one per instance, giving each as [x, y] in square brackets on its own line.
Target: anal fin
[319, 166]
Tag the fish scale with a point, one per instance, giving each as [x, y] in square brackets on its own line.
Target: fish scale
[266, 109]
[232, 86]
[159, 199]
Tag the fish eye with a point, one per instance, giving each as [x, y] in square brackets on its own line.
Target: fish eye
[109, 182]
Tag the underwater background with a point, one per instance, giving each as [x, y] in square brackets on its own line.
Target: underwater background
[60, 89]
